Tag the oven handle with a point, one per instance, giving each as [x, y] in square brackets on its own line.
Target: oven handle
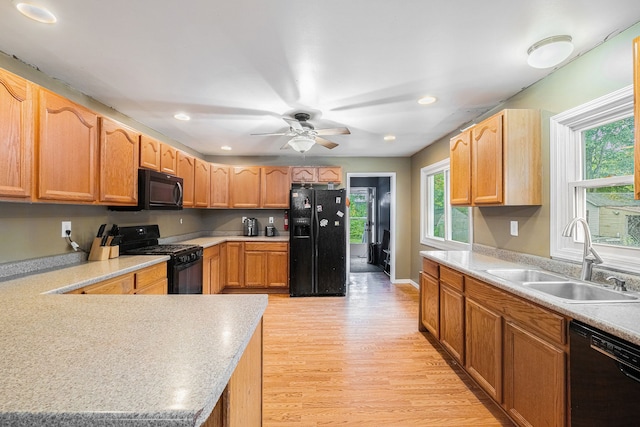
[630, 373]
[181, 267]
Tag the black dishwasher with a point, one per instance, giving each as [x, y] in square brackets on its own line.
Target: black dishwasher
[604, 378]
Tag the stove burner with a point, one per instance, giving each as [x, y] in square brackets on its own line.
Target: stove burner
[162, 249]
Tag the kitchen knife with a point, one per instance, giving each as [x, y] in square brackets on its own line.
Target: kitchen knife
[101, 230]
[114, 230]
[104, 240]
[115, 241]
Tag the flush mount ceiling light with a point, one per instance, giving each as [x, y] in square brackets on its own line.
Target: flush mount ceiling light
[181, 116]
[550, 52]
[37, 13]
[426, 100]
[390, 138]
[225, 148]
[301, 143]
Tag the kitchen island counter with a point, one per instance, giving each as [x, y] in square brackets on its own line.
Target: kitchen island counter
[143, 360]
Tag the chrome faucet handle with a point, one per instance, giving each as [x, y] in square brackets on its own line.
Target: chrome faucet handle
[618, 284]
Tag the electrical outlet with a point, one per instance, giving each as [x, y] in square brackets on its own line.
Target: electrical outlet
[66, 225]
[270, 220]
[514, 228]
[244, 218]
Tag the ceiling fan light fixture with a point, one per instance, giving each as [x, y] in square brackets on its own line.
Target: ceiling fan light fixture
[427, 100]
[301, 143]
[550, 52]
[389, 138]
[37, 13]
[225, 148]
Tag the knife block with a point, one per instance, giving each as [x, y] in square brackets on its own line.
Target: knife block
[99, 253]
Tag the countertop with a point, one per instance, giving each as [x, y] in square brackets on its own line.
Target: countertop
[620, 318]
[143, 360]
[206, 242]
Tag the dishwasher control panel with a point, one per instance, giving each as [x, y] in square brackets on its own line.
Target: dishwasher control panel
[620, 351]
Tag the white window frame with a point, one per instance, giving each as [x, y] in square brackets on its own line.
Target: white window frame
[426, 218]
[566, 165]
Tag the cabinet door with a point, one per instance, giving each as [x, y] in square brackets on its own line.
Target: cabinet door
[67, 150]
[215, 285]
[202, 183]
[304, 174]
[460, 169]
[149, 153]
[118, 163]
[219, 186]
[277, 269]
[187, 171]
[168, 159]
[276, 183]
[483, 350]
[255, 269]
[16, 135]
[245, 187]
[636, 104]
[534, 379]
[116, 286]
[452, 321]
[486, 155]
[430, 299]
[330, 174]
[234, 268]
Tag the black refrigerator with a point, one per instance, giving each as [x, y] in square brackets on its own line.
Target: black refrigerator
[318, 243]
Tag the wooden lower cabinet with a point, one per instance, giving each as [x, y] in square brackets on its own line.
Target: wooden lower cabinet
[116, 286]
[256, 265]
[211, 270]
[514, 349]
[149, 280]
[430, 303]
[241, 402]
[483, 347]
[232, 257]
[534, 379]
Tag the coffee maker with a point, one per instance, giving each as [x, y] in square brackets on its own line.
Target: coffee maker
[250, 227]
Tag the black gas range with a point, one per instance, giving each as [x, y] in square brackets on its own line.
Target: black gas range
[184, 268]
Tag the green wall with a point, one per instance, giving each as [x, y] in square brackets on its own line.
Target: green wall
[603, 70]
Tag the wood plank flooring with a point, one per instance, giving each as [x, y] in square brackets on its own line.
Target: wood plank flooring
[361, 361]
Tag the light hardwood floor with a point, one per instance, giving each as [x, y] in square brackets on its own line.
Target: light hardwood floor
[360, 361]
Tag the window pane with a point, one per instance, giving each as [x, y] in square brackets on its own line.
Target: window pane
[357, 216]
[460, 224]
[614, 215]
[437, 225]
[608, 150]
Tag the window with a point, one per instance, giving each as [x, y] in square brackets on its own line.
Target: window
[442, 226]
[592, 177]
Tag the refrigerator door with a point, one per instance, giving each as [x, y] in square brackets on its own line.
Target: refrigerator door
[330, 235]
[301, 247]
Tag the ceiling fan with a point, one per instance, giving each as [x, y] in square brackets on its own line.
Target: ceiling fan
[304, 135]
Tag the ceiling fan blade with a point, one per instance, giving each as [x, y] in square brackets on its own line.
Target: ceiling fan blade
[270, 134]
[326, 143]
[293, 123]
[333, 131]
[285, 146]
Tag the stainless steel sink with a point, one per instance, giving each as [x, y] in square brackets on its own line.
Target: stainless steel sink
[580, 292]
[525, 275]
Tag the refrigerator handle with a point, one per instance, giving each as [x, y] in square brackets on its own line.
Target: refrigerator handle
[314, 268]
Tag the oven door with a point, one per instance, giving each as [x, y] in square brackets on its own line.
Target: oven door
[186, 278]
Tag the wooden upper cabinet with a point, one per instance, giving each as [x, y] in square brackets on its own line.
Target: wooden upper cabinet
[66, 147]
[304, 174]
[202, 183]
[119, 148]
[149, 153]
[460, 167]
[276, 183]
[219, 186]
[168, 159]
[16, 135]
[636, 113]
[486, 181]
[506, 165]
[330, 174]
[186, 171]
[245, 187]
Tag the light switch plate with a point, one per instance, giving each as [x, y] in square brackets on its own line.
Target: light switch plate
[514, 228]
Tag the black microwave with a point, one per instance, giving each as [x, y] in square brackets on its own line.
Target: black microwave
[156, 191]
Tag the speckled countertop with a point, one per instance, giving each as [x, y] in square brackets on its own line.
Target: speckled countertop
[206, 242]
[105, 360]
[619, 318]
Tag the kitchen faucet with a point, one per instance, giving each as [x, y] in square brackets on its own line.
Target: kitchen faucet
[587, 261]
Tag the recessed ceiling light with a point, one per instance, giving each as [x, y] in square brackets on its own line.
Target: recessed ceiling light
[549, 52]
[37, 13]
[225, 148]
[389, 138]
[182, 116]
[426, 100]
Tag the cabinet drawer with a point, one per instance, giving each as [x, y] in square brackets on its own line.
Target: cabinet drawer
[266, 246]
[156, 288]
[452, 278]
[527, 315]
[430, 267]
[116, 286]
[211, 251]
[150, 275]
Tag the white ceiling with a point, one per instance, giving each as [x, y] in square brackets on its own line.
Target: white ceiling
[238, 66]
